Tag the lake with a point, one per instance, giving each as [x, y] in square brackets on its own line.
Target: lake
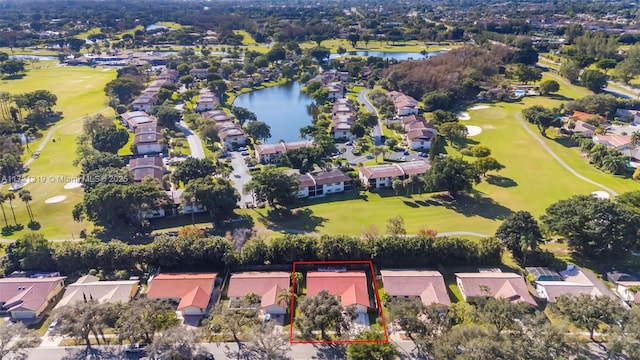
[33, 57]
[400, 56]
[284, 108]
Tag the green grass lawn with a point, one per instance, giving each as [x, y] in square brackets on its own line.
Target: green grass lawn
[377, 45]
[80, 93]
[247, 39]
[28, 51]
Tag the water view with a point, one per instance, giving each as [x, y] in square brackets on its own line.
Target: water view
[33, 57]
[400, 56]
[283, 107]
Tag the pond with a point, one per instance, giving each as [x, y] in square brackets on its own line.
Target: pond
[33, 57]
[400, 56]
[155, 27]
[284, 108]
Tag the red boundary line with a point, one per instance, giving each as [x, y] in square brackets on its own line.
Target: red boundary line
[325, 342]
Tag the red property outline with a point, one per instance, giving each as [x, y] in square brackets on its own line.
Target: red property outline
[345, 262]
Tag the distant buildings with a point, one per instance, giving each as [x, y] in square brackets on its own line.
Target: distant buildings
[343, 117]
[269, 153]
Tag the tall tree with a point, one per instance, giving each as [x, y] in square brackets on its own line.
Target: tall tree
[274, 185]
[593, 227]
[451, 174]
[593, 80]
[122, 89]
[267, 343]
[589, 312]
[243, 115]
[15, 339]
[386, 350]
[81, 320]
[142, 319]
[12, 196]
[230, 322]
[258, 130]
[513, 228]
[192, 168]
[216, 195]
[323, 312]
[176, 342]
[3, 197]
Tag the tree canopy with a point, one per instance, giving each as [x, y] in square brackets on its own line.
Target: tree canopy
[274, 185]
[451, 174]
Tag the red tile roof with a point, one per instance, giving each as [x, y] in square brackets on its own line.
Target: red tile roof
[381, 171]
[267, 285]
[585, 116]
[182, 285]
[350, 286]
[198, 297]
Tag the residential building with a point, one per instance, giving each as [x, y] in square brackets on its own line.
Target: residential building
[343, 75]
[133, 119]
[631, 116]
[343, 117]
[350, 286]
[266, 285]
[404, 105]
[627, 284]
[269, 153]
[148, 139]
[574, 281]
[381, 176]
[581, 128]
[615, 141]
[419, 132]
[179, 206]
[144, 102]
[206, 101]
[198, 73]
[218, 116]
[231, 134]
[25, 298]
[336, 90]
[191, 291]
[323, 183]
[426, 285]
[90, 288]
[494, 284]
[148, 166]
[170, 75]
[583, 116]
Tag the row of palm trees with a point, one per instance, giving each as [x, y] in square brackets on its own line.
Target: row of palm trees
[25, 196]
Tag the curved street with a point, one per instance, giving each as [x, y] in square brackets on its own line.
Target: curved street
[558, 159]
[195, 144]
[376, 132]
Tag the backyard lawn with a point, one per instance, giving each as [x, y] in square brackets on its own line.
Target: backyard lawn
[80, 93]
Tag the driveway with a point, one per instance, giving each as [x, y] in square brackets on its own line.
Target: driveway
[376, 132]
[197, 151]
[240, 177]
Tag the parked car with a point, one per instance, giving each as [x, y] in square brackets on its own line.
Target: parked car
[134, 348]
[53, 325]
[405, 152]
[242, 149]
[244, 153]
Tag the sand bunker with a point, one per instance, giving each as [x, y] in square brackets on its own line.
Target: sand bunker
[473, 130]
[463, 115]
[72, 185]
[601, 195]
[19, 184]
[55, 199]
[479, 107]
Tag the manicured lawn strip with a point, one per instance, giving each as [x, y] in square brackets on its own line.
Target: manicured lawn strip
[247, 39]
[80, 93]
[28, 51]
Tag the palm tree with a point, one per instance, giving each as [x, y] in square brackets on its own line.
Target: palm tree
[25, 195]
[296, 278]
[3, 197]
[285, 296]
[527, 243]
[635, 138]
[376, 151]
[11, 196]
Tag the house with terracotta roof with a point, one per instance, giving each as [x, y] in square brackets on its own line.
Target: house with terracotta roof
[426, 285]
[349, 286]
[498, 285]
[148, 139]
[267, 285]
[323, 183]
[381, 176]
[90, 288]
[25, 298]
[269, 153]
[575, 281]
[583, 116]
[191, 291]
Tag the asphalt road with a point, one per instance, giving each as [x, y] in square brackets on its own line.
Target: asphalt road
[240, 176]
[197, 151]
[376, 132]
[222, 351]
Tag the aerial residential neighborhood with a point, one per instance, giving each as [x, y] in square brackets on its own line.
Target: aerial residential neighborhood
[330, 180]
